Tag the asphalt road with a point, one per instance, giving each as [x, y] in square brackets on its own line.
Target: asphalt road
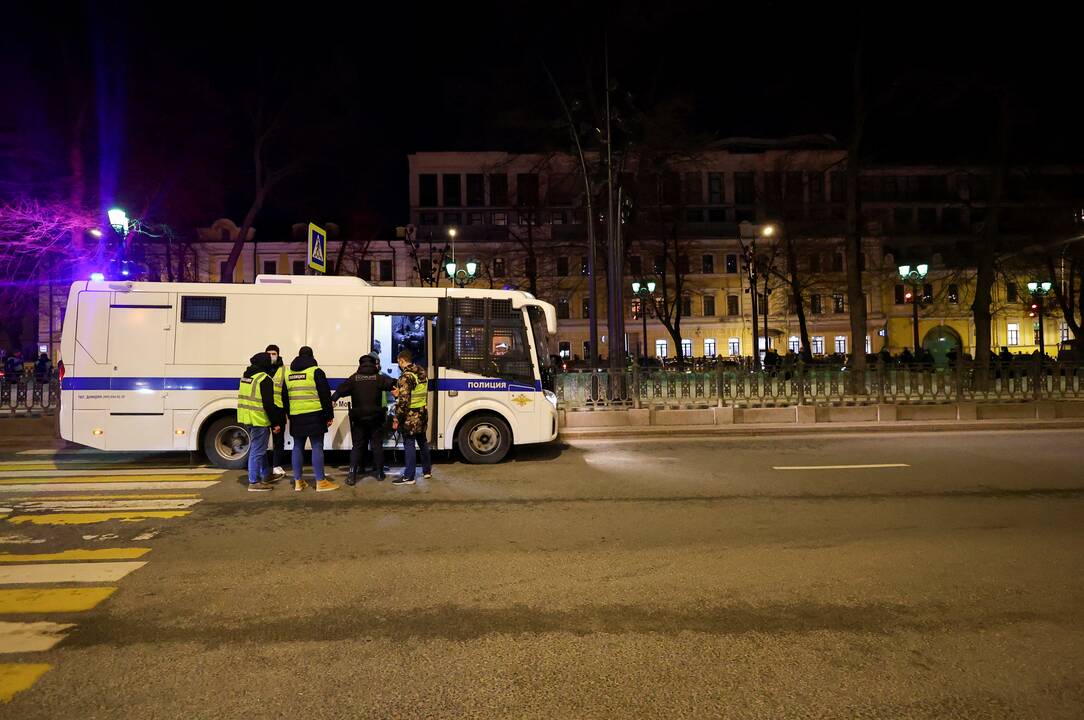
[607, 579]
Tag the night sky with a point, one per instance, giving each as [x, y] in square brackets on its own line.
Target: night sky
[166, 96]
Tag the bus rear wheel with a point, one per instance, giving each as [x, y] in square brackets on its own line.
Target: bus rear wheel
[484, 439]
[225, 443]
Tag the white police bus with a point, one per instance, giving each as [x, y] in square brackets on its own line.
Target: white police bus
[155, 366]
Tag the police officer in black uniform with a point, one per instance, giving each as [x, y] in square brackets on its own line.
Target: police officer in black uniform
[367, 389]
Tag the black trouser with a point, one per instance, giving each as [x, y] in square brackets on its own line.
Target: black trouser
[278, 448]
[362, 431]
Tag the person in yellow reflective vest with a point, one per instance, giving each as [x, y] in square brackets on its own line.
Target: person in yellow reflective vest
[258, 414]
[278, 440]
[306, 397]
[412, 417]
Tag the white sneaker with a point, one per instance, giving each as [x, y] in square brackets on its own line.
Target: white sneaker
[278, 472]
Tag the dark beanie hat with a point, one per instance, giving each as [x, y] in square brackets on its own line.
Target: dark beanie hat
[305, 351]
[260, 359]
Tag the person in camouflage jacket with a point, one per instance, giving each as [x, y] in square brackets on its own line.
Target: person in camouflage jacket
[412, 422]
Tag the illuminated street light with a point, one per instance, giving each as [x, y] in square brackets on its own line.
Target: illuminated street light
[119, 220]
[914, 276]
[644, 290]
[461, 276]
[1039, 290]
[767, 230]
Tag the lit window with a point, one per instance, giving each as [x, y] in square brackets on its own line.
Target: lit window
[686, 348]
[837, 303]
[841, 344]
[709, 347]
[660, 348]
[734, 346]
[1014, 334]
[564, 349]
[869, 346]
[794, 344]
[818, 344]
[1064, 332]
[634, 308]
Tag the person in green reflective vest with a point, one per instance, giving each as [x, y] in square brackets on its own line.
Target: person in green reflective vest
[306, 397]
[412, 417]
[278, 440]
[258, 414]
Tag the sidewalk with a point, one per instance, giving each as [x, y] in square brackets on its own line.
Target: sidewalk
[759, 429]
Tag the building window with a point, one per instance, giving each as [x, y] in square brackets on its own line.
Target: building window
[270, 267]
[1010, 291]
[818, 344]
[634, 308]
[453, 219]
[425, 268]
[1035, 335]
[837, 303]
[837, 186]
[694, 215]
[686, 306]
[716, 215]
[901, 295]
[732, 305]
[733, 346]
[500, 218]
[709, 306]
[476, 190]
[427, 218]
[223, 272]
[1065, 332]
[559, 217]
[564, 349]
[683, 264]
[927, 293]
[453, 190]
[837, 262]
[298, 267]
[203, 309]
[530, 266]
[658, 264]
[709, 347]
[583, 266]
[814, 263]
[498, 267]
[562, 309]
[527, 189]
[586, 349]
[585, 308]
[365, 270]
[686, 348]
[562, 267]
[744, 191]
[731, 264]
[815, 304]
[427, 191]
[794, 344]
[636, 267]
[816, 188]
[715, 189]
[869, 346]
[694, 188]
[1014, 334]
[385, 271]
[953, 294]
[707, 264]
[841, 344]
[476, 218]
[660, 348]
[498, 190]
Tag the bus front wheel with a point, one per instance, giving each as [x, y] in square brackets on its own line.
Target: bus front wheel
[225, 442]
[484, 439]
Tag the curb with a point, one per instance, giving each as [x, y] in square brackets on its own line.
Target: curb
[816, 429]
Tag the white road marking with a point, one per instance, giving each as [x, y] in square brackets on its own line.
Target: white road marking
[106, 505]
[17, 637]
[839, 467]
[106, 472]
[89, 572]
[20, 540]
[140, 485]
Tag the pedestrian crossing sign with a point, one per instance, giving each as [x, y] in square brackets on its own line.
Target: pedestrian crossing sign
[317, 248]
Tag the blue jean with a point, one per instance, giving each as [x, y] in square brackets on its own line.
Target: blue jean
[298, 456]
[411, 462]
[257, 454]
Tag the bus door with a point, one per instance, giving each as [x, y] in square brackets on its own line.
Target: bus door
[139, 330]
[393, 332]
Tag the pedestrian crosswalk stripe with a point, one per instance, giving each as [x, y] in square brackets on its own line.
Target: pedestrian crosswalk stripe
[83, 466]
[51, 600]
[28, 479]
[83, 505]
[67, 555]
[97, 572]
[87, 518]
[120, 484]
[19, 637]
[16, 677]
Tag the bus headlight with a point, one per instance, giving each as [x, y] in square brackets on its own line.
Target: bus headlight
[551, 397]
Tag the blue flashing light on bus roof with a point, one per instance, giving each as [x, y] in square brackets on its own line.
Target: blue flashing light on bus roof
[97, 277]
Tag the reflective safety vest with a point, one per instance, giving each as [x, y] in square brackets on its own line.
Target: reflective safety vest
[279, 378]
[301, 389]
[419, 396]
[250, 402]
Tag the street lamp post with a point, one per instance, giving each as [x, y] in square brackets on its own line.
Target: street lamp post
[751, 262]
[460, 276]
[644, 291]
[914, 277]
[1039, 290]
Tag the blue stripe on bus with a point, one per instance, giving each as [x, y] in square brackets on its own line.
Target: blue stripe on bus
[230, 383]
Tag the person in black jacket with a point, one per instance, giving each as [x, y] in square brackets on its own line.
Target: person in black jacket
[310, 417]
[366, 389]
